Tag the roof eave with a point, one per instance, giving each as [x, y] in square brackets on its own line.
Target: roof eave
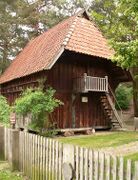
[60, 52]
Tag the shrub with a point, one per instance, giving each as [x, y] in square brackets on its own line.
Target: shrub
[37, 103]
[123, 96]
[4, 111]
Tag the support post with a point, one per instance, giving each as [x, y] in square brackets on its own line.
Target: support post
[15, 149]
[68, 162]
[2, 143]
[85, 80]
[106, 77]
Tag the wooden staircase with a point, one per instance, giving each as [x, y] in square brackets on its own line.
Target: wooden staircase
[111, 112]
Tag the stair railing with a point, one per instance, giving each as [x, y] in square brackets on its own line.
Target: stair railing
[110, 91]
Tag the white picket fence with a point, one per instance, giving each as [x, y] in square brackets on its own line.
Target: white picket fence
[42, 158]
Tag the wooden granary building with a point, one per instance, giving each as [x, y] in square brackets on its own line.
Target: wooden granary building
[75, 58]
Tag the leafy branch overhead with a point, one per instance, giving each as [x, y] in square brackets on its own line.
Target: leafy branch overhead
[118, 19]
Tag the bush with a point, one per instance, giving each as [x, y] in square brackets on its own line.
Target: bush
[123, 96]
[4, 111]
[37, 103]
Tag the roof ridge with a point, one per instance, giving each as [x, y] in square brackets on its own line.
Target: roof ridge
[70, 32]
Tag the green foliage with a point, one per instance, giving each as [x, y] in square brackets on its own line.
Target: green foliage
[118, 19]
[6, 173]
[123, 96]
[49, 133]
[37, 103]
[4, 111]
[126, 53]
[22, 20]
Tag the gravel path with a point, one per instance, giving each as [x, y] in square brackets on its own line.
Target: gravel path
[122, 150]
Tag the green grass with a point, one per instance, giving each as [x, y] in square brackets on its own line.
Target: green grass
[6, 174]
[101, 141]
[133, 157]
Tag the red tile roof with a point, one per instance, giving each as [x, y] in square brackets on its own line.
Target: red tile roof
[76, 34]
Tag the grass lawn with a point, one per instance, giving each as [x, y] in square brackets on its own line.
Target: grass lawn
[133, 157]
[6, 174]
[101, 141]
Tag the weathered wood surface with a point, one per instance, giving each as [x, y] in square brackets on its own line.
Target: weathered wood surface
[61, 78]
[43, 159]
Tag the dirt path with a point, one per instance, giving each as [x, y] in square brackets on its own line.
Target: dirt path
[122, 150]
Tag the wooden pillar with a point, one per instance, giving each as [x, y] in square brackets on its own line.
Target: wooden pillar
[15, 149]
[1, 142]
[73, 111]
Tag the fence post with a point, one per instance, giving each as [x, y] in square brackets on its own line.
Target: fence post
[2, 143]
[68, 161]
[15, 149]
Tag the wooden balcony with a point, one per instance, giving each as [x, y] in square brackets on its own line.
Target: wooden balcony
[89, 83]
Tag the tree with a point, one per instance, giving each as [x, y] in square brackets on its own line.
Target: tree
[118, 20]
[38, 104]
[26, 19]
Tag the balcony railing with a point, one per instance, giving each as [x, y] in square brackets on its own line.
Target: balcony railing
[90, 83]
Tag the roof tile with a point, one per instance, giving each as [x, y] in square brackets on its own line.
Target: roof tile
[75, 34]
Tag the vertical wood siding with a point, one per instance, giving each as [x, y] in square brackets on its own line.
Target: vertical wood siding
[60, 77]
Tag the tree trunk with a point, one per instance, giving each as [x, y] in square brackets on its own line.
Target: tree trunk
[135, 90]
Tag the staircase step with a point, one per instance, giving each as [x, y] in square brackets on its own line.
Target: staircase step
[115, 122]
[109, 111]
[116, 125]
[103, 97]
[106, 108]
[104, 101]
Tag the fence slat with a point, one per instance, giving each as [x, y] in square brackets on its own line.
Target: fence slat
[121, 169]
[90, 165]
[53, 160]
[86, 164]
[57, 160]
[77, 163]
[136, 171]
[36, 157]
[60, 160]
[108, 167]
[50, 158]
[47, 158]
[114, 170]
[33, 158]
[96, 165]
[38, 165]
[128, 174]
[101, 162]
[44, 158]
[81, 163]
[25, 154]
[41, 158]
